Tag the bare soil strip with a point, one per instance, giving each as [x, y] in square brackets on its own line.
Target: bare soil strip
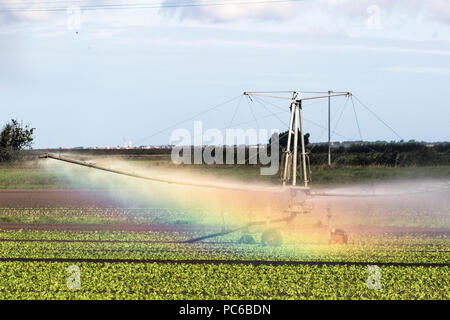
[56, 198]
[230, 262]
[205, 228]
[149, 242]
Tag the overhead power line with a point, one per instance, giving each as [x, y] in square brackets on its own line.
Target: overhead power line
[142, 5]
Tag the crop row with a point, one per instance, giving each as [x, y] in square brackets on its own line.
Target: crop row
[353, 216]
[438, 242]
[74, 214]
[92, 235]
[35, 280]
[218, 251]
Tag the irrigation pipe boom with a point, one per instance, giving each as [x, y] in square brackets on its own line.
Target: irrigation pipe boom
[209, 186]
[135, 175]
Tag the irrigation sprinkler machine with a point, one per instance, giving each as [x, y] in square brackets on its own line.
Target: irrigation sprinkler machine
[290, 161]
[298, 195]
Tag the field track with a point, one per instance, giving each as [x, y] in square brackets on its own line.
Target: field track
[75, 227]
[49, 198]
[151, 242]
[230, 262]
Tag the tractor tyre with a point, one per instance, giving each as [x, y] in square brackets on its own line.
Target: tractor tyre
[272, 237]
[246, 239]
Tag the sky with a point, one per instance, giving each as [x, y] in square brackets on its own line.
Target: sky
[104, 73]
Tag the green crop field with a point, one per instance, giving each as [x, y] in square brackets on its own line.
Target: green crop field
[158, 264]
[53, 235]
[38, 280]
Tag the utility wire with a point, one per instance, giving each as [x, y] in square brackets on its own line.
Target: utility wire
[246, 122]
[356, 118]
[146, 6]
[344, 104]
[376, 116]
[270, 111]
[326, 128]
[340, 116]
[306, 104]
[188, 119]
[121, 2]
[286, 133]
[306, 119]
[236, 110]
[253, 114]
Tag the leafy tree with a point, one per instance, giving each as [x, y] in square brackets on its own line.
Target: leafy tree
[14, 137]
[284, 139]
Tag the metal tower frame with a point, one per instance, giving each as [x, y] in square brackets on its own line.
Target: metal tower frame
[296, 123]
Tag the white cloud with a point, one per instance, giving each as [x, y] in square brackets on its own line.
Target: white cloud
[235, 10]
[334, 9]
[400, 19]
[22, 10]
